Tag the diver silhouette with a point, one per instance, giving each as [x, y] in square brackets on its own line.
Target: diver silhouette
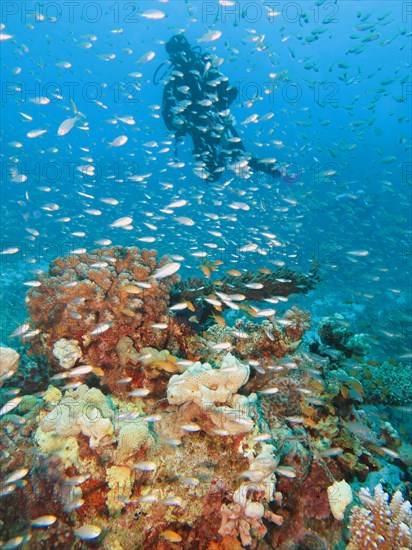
[196, 101]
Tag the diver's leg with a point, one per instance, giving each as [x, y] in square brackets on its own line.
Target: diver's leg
[207, 153]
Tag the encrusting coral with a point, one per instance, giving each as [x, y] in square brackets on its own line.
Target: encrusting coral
[340, 496]
[387, 383]
[132, 435]
[380, 524]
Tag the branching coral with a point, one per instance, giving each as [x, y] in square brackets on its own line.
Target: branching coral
[254, 286]
[380, 524]
[246, 514]
[239, 520]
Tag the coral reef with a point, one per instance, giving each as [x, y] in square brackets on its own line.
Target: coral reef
[248, 340]
[299, 323]
[89, 306]
[381, 524]
[159, 430]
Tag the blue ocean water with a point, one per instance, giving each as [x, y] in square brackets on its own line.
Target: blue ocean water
[324, 87]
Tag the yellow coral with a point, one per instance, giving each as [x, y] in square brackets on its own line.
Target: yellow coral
[52, 395]
[83, 410]
[66, 448]
[120, 480]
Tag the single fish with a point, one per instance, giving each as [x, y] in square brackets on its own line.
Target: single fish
[67, 125]
[210, 36]
[147, 499]
[191, 427]
[332, 451]
[159, 326]
[172, 501]
[285, 471]
[73, 505]
[152, 418]
[269, 391]
[145, 466]
[221, 346]
[43, 521]
[119, 141]
[76, 480]
[13, 543]
[101, 328]
[171, 536]
[145, 58]
[87, 532]
[10, 405]
[16, 476]
[139, 392]
[166, 271]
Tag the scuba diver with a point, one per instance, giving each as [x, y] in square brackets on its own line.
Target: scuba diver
[196, 101]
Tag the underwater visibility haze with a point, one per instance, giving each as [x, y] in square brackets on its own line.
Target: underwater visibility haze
[206, 251]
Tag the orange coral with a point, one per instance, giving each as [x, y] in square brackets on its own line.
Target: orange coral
[110, 288]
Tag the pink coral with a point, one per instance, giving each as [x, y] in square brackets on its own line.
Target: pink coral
[238, 519]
